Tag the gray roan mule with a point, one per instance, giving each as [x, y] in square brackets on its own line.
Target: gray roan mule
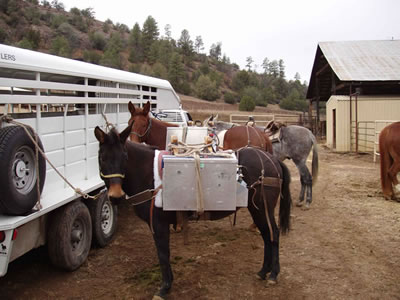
[127, 167]
[295, 143]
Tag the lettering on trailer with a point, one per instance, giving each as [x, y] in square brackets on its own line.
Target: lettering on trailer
[6, 56]
[3, 249]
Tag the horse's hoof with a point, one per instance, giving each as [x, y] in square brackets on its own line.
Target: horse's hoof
[299, 203]
[261, 275]
[157, 297]
[271, 281]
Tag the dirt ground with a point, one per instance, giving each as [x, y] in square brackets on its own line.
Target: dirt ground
[345, 247]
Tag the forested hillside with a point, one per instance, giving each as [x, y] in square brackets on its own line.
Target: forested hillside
[192, 70]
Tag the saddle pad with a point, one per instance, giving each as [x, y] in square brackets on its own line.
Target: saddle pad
[157, 173]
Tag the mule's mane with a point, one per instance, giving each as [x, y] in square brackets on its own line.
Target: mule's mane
[140, 146]
[113, 136]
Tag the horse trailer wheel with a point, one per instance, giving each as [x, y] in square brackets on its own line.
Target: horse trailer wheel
[104, 219]
[70, 236]
[18, 171]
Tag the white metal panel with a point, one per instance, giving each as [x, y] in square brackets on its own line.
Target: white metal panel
[53, 141]
[75, 171]
[75, 138]
[75, 123]
[53, 181]
[75, 154]
[56, 158]
[51, 125]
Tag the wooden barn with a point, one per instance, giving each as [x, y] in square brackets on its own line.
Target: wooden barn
[360, 83]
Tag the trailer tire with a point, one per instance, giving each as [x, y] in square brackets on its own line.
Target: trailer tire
[104, 216]
[70, 236]
[18, 172]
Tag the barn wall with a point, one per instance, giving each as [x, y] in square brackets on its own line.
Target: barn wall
[369, 109]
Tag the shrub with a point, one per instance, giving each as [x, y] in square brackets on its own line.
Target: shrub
[25, 43]
[206, 88]
[92, 56]
[246, 104]
[231, 98]
[3, 35]
[98, 40]
[60, 46]
[255, 94]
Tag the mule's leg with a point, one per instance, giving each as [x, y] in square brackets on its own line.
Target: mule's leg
[271, 249]
[275, 257]
[161, 239]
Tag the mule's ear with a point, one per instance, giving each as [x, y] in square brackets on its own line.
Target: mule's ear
[131, 107]
[125, 134]
[146, 108]
[100, 134]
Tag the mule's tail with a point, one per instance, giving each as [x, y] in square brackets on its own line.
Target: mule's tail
[314, 164]
[286, 201]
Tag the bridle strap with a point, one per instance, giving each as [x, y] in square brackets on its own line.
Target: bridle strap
[145, 133]
[108, 176]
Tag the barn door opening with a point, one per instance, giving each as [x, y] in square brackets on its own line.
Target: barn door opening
[334, 128]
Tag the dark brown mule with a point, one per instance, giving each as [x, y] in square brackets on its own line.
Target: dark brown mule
[127, 167]
[389, 150]
[147, 130]
[241, 136]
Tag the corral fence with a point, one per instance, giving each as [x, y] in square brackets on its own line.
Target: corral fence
[318, 128]
[365, 136]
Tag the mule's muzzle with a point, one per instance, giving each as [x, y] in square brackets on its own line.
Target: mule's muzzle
[116, 193]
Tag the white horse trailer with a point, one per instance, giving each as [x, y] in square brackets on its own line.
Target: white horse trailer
[52, 104]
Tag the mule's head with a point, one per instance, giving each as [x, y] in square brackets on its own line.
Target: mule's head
[140, 120]
[113, 160]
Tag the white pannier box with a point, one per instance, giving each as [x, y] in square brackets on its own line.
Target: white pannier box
[221, 190]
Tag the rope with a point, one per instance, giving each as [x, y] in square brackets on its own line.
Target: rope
[260, 181]
[109, 125]
[199, 190]
[189, 150]
[195, 150]
[38, 149]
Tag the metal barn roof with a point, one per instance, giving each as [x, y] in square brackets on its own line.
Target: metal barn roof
[340, 67]
[363, 60]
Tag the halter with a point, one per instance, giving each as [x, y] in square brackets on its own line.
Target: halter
[145, 133]
[115, 175]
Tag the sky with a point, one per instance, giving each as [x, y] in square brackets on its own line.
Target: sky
[284, 29]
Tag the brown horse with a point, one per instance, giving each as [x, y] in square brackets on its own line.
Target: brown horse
[146, 129]
[389, 150]
[242, 136]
